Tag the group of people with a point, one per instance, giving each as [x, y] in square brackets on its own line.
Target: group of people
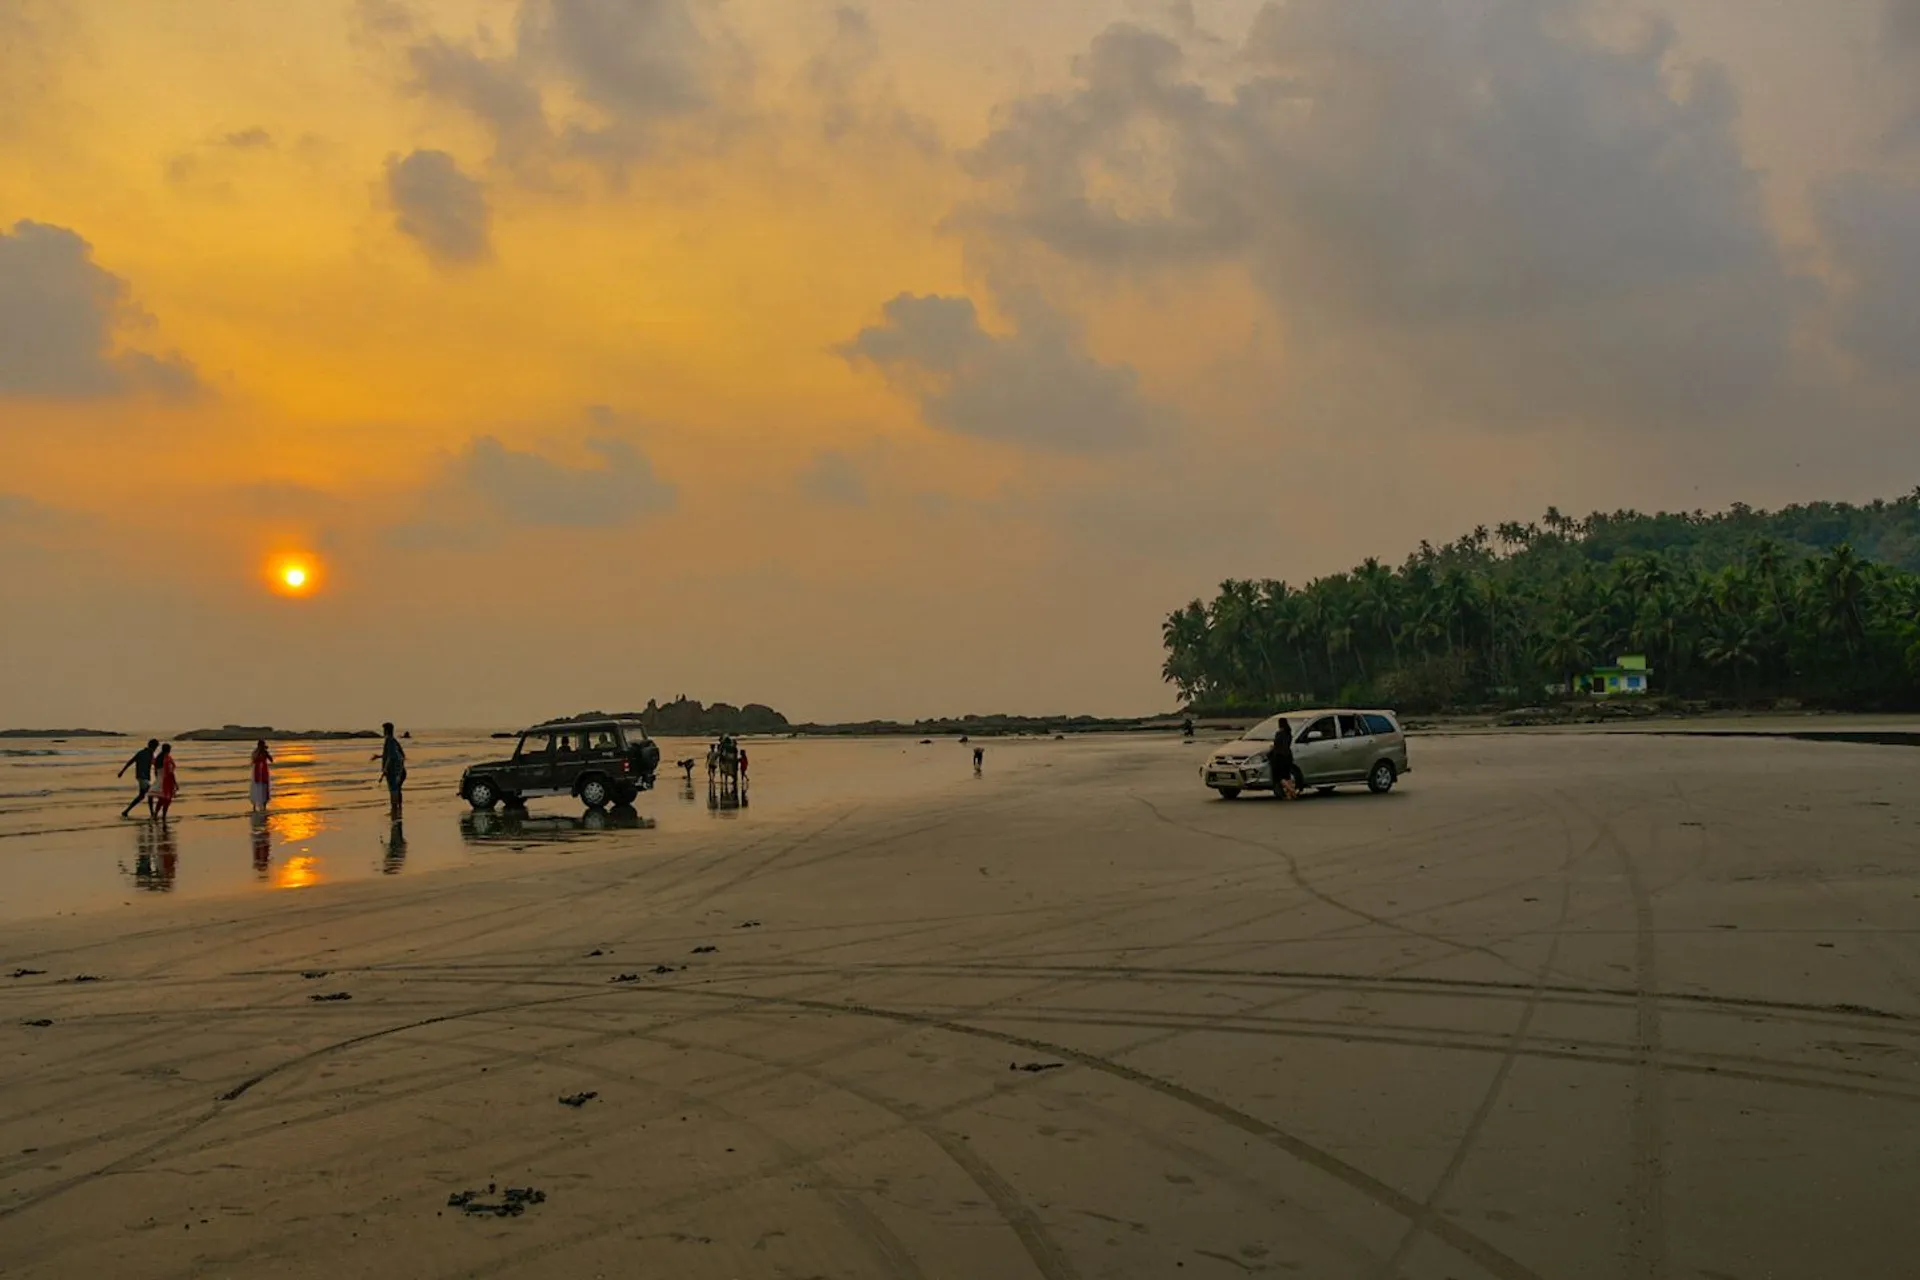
[726, 757]
[158, 778]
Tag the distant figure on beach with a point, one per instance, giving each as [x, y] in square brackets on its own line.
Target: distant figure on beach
[142, 766]
[979, 758]
[686, 767]
[743, 764]
[167, 786]
[713, 761]
[393, 764]
[1186, 727]
[262, 788]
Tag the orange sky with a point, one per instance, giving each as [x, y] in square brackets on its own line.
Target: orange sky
[901, 360]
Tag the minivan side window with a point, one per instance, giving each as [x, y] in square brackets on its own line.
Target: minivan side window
[1380, 724]
[1352, 727]
[1320, 730]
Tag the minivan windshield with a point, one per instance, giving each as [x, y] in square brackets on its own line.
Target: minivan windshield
[1265, 731]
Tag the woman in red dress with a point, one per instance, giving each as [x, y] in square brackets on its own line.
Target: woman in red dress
[262, 789]
[167, 784]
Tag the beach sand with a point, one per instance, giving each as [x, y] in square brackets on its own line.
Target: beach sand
[1564, 1005]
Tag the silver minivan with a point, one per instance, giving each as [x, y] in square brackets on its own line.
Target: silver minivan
[1329, 748]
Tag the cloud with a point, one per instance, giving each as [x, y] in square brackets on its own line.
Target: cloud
[1486, 194]
[834, 478]
[597, 80]
[439, 207]
[59, 312]
[253, 139]
[1872, 228]
[488, 486]
[1036, 386]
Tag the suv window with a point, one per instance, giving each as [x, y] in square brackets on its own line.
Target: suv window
[534, 744]
[603, 739]
[1320, 730]
[1352, 727]
[1380, 724]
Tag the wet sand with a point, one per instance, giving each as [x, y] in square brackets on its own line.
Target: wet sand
[1565, 1005]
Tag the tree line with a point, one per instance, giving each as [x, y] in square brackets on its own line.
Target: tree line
[1736, 606]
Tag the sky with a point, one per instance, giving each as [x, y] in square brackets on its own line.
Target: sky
[888, 360]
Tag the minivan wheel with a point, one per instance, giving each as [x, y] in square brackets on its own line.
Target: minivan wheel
[483, 796]
[1381, 780]
[1228, 793]
[595, 793]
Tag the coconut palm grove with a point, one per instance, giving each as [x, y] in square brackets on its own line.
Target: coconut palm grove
[1819, 602]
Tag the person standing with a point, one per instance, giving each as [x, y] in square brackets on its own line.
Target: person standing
[142, 766]
[168, 785]
[262, 789]
[393, 763]
[1281, 760]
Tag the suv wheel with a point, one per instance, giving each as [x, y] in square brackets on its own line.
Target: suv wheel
[483, 796]
[595, 793]
[626, 794]
[1381, 780]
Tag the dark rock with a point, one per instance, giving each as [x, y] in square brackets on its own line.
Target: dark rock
[702, 951]
[38, 1022]
[26, 973]
[624, 977]
[311, 974]
[1035, 1067]
[331, 996]
[578, 1099]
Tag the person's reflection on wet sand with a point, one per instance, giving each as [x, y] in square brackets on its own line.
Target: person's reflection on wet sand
[396, 849]
[157, 860]
[262, 847]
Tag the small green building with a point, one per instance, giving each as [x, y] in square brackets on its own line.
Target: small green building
[1628, 676]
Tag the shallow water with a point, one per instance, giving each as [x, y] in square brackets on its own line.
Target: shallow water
[64, 848]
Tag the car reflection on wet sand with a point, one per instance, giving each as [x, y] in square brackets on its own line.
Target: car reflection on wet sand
[521, 827]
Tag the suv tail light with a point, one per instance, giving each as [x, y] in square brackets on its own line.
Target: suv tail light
[626, 766]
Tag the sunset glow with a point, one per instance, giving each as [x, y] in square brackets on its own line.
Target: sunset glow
[840, 366]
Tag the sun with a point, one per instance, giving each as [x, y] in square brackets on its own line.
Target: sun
[293, 574]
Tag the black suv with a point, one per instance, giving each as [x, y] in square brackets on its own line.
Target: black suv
[603, 762]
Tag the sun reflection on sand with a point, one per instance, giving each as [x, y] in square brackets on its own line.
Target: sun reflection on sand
[300, 872]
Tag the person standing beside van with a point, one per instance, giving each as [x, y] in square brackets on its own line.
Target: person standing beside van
[1281, 760]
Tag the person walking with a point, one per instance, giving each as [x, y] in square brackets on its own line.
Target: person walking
[142, 766]
[262, 788]
[393, 763]
[168, 785]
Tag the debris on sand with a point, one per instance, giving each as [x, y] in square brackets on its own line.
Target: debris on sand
[595, 952]
[512, 1201]
[27, 973]
[624, 977]
[311, 974]
[1035, 1067]
[703, 951]
[750, 924]
[578, 1099]
[38, 1022]
[664, 968]
[82, 977]
[1862, 1011]
[331, 996]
